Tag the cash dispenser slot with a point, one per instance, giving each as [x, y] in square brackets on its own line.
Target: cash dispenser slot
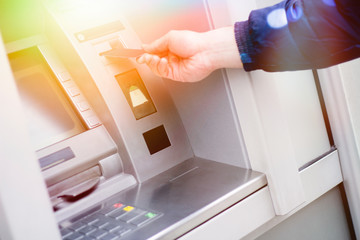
[56, 158]
[73, 187]
[78, 165]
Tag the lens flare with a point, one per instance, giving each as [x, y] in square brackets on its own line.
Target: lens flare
[294, 12]
[330, 3]
[277, 18]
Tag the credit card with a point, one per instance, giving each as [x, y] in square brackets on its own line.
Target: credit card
[123, 53]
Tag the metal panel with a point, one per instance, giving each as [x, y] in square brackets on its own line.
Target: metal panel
[341, 92]
[186, 195]
[318, 179]
[237, 221]
[22, 189]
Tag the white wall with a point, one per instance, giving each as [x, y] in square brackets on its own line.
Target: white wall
[323, 219]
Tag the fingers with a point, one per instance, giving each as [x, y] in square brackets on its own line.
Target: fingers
[159, 66]
[141, 59]
[147, 59]
[163, 67]
[153, 62]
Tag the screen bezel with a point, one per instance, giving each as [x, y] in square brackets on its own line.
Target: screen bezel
[34, 62]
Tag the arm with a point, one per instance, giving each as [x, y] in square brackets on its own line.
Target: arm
[291, 35]
[300, 34]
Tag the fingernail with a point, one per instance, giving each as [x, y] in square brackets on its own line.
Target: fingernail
[140, 59]
[173, 59]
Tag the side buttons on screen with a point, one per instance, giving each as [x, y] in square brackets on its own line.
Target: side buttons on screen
[64, 76]
[78, 100]
[83, 106]
[93, 121]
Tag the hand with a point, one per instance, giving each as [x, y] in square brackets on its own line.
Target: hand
[188, 56]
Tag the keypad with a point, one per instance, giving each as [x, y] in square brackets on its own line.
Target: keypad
[110, 222]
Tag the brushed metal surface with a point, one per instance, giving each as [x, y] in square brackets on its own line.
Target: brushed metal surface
[189, 194]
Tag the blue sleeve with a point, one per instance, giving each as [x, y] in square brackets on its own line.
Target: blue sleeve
[300, 34]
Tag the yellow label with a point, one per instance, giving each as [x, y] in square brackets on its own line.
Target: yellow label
[128, 208]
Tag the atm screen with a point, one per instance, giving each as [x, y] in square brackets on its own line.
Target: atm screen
[49, 114]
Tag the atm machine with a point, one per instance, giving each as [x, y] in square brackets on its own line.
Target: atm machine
[125, 154]
[115, 155]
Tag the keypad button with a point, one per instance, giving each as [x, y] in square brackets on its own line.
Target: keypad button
[117, 214]
[111, 227]
[100, 223]
[98, 233]
[122, 231]
[139, 221]
[118, 205]
[131, 215]
[93, 218]
[107, 210]
[77, 226]
[128, 208]
[87, 229]
[74, 236]
[65, 232]
[87, 238]
[151, 215]
[109, 236]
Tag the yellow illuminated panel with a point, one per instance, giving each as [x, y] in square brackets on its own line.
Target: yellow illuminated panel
[136, 94]
[137, 97]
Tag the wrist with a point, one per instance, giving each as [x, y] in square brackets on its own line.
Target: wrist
[221, 48]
